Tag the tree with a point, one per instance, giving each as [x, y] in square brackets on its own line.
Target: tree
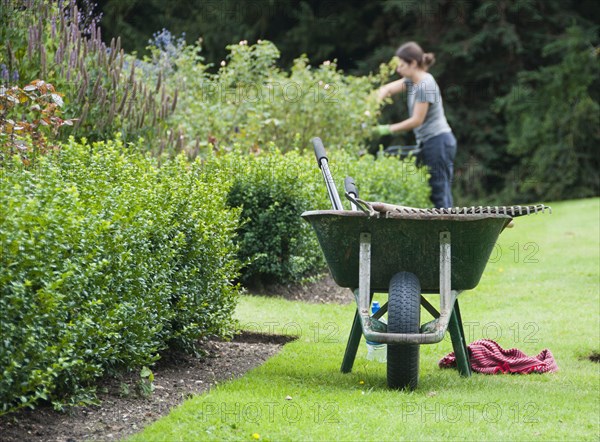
[553, 122]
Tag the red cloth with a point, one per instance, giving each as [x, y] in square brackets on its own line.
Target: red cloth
[488, 357]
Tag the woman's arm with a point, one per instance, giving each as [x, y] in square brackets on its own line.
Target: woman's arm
[417, 119]
[390, 89]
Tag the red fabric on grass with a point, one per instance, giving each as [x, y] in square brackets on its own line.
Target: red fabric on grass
[488, 357]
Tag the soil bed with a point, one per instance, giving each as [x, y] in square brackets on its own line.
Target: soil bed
[322, 291]
[124, 411]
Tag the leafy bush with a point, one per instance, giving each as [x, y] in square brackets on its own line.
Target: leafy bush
[105, 260]
[386, 179]
[273, 189]
[251, 102]
[28, 117]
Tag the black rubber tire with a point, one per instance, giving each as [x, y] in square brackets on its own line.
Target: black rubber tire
[404, 316]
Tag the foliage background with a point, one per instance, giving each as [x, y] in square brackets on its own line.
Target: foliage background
[496, 60]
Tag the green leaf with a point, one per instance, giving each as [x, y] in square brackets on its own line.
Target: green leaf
[146, 373]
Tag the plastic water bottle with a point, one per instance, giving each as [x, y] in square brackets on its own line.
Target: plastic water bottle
[376, 351]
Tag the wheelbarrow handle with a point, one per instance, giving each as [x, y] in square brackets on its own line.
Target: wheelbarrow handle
[319, 150]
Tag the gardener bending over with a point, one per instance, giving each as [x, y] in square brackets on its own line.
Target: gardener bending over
[426, 119]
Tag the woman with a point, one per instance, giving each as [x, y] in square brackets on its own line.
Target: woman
[426, 119]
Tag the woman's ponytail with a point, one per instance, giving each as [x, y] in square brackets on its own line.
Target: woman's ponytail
[428, 60]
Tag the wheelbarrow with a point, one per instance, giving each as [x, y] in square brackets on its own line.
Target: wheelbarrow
[406, 252]
[401, 151]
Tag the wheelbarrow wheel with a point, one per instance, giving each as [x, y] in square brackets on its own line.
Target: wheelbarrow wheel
[404, 316]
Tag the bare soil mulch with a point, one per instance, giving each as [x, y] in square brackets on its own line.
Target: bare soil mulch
[324, 290]
[124, 410]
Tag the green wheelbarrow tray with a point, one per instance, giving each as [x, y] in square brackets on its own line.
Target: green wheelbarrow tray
[406, 255]
[406, 242]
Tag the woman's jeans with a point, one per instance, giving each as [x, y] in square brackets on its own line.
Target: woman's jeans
[438, 154]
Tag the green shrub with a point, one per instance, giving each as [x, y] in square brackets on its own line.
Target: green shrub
[251, 102]
[248, 100]
[107, 259]
[385, 179]
[273, 189]
[556, 139]
[29, 117]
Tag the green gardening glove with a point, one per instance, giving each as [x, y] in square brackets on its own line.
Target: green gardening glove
[382, 130]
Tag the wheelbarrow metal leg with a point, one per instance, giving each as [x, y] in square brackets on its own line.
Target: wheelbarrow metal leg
[459, 344]
[352, 346]
[353, 343]
[430, 308]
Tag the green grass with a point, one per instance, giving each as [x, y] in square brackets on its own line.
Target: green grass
[546, 296]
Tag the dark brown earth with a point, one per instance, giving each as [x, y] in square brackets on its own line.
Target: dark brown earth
[123, 410]
[321, 291]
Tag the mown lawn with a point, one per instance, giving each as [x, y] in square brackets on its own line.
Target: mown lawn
[540, 290]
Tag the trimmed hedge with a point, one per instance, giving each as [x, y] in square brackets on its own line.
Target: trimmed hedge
[273, 189]
[105, 260]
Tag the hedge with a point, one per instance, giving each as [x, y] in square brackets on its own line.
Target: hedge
[105, 260]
